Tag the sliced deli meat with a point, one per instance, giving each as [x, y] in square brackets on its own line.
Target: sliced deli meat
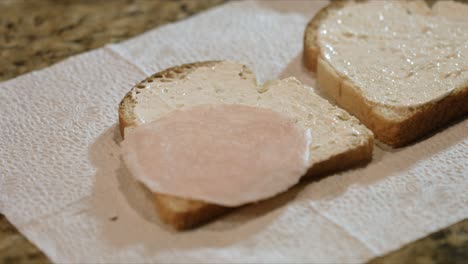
[223, 154]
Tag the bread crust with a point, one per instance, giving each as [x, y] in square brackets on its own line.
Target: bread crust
[394, 127]
[183, 213]
[311, 47]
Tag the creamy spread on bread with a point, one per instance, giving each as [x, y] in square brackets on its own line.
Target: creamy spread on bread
[231, 86]
[398, 54]
[334, 130]
[226, 154]
[205, 85]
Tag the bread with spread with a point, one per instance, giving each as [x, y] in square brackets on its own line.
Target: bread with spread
[401, 67]
[337, 140]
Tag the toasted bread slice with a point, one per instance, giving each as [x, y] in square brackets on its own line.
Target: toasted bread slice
[406, 112]
[339, 141]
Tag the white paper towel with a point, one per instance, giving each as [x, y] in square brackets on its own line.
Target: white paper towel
[63, 185]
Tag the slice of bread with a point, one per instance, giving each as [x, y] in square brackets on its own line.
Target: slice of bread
[338, 141]
[401, 67]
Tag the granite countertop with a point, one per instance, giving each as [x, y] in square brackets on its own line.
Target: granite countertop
[37, 33]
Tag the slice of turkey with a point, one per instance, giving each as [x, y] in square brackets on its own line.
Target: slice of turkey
[224, 154]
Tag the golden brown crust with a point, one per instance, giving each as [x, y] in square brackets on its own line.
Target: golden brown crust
[359, 155]
[430, 117]
[183, 213]
[396, 128]
[189, 214]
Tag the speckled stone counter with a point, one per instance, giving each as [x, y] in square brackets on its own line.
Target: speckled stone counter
[37, 33]
[449, 245]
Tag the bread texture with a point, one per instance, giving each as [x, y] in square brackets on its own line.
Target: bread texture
[394, 126]
[335, 153]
